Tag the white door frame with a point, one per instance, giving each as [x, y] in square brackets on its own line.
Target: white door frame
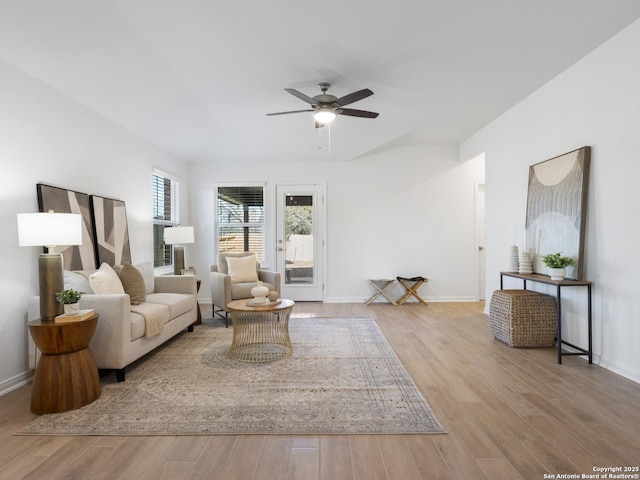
[315, 290]
[479, 244]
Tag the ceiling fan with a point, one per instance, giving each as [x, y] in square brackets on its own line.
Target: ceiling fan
[326, 107]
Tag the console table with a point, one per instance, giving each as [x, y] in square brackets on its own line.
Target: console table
[560, 284]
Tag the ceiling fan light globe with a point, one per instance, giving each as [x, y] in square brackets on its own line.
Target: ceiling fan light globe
[324, 116]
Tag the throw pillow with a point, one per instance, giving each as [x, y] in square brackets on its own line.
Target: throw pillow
[148, 274]
[243, 269]
[133, 284]
[105, 280]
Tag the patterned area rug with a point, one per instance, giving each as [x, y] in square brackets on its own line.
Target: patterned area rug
[343, 378]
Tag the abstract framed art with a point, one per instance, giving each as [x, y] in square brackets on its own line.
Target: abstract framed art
[60, 200]
[111, 230]
[557, 209]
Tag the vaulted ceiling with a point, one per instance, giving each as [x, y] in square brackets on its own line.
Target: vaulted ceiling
[196, 77]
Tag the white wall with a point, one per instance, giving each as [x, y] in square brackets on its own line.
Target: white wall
[45, 137]
[596, 103]
[408, 211]
[423, 192]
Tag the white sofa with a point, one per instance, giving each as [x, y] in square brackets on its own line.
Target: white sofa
[120, 336]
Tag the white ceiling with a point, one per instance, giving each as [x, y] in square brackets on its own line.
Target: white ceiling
[196, 77]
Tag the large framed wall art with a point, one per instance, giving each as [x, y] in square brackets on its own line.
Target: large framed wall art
[557, 209]
[60, 200]
[111, 230]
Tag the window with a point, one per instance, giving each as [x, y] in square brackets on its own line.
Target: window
[240, 215]
[165, 214]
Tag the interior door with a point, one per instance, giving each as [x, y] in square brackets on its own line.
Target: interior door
[300, 241]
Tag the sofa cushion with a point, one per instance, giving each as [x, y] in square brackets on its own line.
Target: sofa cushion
[137, 326]
[133, 283]
[243, 269]
[146, 269]
[139, 323]
[155, 316]
[105, 281]
[178, 303]
[78, 280]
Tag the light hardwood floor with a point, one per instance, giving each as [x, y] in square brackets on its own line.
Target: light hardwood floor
[510, 414]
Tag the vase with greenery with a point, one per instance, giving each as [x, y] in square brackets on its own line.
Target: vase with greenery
[557, 265]
[70, 299]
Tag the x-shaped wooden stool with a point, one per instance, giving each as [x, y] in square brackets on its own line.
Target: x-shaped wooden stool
[385, 283]
[411, 289]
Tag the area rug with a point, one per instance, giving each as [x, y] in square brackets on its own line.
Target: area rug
[342, 378]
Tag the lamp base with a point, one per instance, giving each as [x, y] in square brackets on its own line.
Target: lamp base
[51, 281]
[178, 259]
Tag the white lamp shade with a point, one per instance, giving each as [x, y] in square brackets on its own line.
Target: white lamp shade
[49, 229]
[174, 235]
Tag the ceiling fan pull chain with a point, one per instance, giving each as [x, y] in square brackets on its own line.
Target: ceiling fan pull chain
[327, 128]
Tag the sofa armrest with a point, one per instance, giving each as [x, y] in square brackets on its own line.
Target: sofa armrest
[113, 331]
[270, 277]
[220, 289]
[176, 284]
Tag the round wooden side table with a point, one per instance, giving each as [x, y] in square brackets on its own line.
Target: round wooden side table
[66, 374]
[261, 333]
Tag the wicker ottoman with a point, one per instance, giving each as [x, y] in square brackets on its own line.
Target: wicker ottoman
[522, 318]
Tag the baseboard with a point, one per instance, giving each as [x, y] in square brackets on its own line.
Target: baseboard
[427, 299]
[619, 371]
[15, 382]
[362, 300]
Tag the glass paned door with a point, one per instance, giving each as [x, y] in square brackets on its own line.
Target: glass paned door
[300, 241]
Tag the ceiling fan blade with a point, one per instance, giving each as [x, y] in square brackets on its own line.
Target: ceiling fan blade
[301, 96]
[286, 113]
[357, 113]
[354, 97]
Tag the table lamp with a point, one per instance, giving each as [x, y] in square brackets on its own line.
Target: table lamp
[177, 236]
[48, 230]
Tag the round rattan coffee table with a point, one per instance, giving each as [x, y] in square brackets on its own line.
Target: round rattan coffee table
[260, 333]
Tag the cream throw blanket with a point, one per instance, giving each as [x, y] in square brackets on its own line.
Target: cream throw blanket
[153, 321]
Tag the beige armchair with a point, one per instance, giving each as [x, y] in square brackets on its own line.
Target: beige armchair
[233, 277]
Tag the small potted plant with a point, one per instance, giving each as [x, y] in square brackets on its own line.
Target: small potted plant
[557, 265]
[70, 299]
